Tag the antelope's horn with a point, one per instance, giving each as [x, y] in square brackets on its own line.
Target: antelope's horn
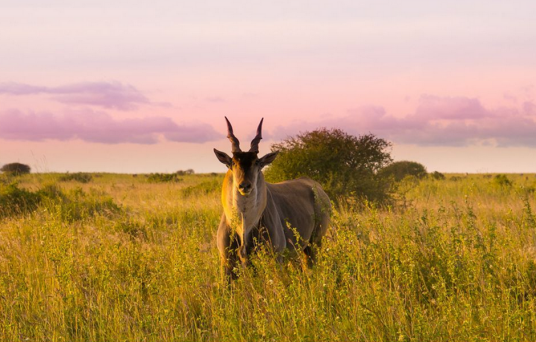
[258, 137]
[234, 141]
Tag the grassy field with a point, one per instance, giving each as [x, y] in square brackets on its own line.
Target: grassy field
[120, 258]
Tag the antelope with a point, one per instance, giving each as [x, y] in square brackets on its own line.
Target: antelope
[291, 215]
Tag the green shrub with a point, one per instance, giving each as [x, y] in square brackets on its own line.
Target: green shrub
[71, 206]
[76, 205]
[50, 191]
[437, 175]
[203, 188]
[502, 181]
[346, 166]
[86, 208]
[400, 169]
[77, 177]
[16, 201]
[185, 172]
[163, 177]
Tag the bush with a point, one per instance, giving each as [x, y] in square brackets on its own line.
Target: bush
[400, 169]
[437, 175]
[502, 181]
[203, 188]
[185, 172]
[77, 177]
[16, 169]
[77, 205]
[16, 201]
[71, 206]
[163, 177]
[345, 165]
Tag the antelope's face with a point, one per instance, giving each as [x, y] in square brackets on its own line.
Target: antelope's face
[245, 166]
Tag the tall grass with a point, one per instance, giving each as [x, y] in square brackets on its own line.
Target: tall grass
[119, 259]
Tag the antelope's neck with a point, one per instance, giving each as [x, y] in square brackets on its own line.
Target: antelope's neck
[243, 212]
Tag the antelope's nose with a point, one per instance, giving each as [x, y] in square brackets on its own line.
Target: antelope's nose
[245, 187]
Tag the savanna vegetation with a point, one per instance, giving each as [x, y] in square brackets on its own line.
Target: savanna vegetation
[120, 259]
[347, 166]
[15, 169]
[400, 169]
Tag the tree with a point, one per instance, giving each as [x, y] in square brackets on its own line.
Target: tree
[400, 169]
[15, 168]
[345, 165]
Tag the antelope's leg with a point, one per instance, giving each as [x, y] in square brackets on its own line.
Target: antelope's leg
[310, 252]
[227, 245]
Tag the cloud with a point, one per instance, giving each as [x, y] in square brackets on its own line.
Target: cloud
[437, 121]
[110, 95]
[199, 133]
[529, 107]
[450, 108]
[99, 127]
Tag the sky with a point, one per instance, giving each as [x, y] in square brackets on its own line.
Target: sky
[135, 87]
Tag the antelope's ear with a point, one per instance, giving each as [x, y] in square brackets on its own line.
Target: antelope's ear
[224, 158]
[267, 159]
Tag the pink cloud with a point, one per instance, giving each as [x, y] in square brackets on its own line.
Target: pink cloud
[99, 127]
[437, 121]
[110, 95]
[450, 108]
[198, 133]
[529, 107]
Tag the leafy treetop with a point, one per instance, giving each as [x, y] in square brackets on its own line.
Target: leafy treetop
[347, 166]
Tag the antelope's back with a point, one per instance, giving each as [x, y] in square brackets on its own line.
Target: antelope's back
[302, 204]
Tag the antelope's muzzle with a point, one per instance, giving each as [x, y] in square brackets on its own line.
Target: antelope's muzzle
[245, 188]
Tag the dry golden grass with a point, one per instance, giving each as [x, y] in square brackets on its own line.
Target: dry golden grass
[121, 259]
